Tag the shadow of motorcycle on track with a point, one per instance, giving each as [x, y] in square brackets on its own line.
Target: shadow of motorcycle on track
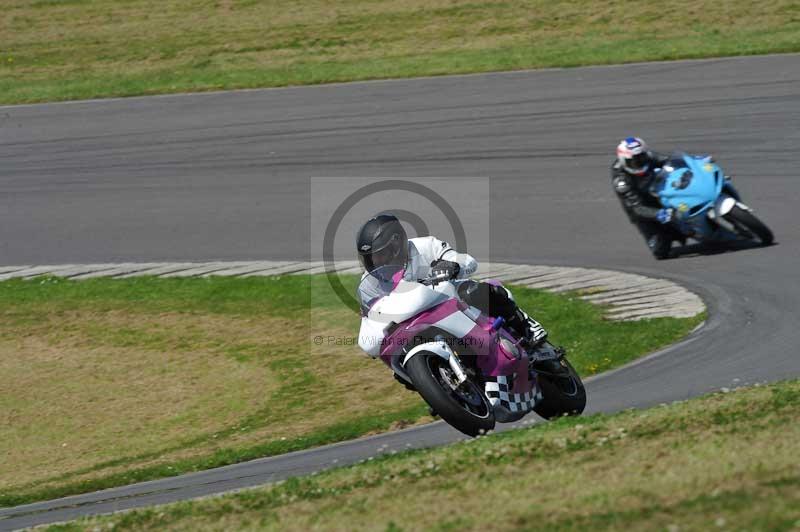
[701, 249]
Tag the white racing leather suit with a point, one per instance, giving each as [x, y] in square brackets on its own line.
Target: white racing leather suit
[422, 251]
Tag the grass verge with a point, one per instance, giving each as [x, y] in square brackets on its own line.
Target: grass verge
[61, 50]
[108, 382]
[727, 461]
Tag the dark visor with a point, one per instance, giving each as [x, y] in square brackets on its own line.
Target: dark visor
[638, 161]
[379, 258]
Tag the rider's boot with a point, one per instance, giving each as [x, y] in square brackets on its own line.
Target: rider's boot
[529, 330]
[660, 245]
[533, 334]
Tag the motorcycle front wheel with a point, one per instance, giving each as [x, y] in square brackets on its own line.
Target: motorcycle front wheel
[465, 407]
[742, 218]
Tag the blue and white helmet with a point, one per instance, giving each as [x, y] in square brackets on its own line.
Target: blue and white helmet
[634, 156]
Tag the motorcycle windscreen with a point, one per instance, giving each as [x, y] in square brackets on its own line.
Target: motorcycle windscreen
[386, 297]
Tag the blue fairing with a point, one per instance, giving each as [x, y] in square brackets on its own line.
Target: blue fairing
[689, 184]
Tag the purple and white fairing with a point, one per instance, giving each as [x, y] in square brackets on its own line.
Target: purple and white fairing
[404, 310]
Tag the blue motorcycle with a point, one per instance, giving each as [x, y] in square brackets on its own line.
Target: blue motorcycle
[706, 206]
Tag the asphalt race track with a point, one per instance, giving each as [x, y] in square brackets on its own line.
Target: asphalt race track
[223, 176]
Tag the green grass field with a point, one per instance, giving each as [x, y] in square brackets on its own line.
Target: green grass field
[107, 382]
[71, 49]
[727, 461]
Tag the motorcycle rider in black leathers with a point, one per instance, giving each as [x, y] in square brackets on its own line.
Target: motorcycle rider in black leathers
[632, 175]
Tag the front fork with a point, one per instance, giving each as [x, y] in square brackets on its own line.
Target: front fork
[440, 348]
[723, 206]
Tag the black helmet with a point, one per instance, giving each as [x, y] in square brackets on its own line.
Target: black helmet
[382, 241]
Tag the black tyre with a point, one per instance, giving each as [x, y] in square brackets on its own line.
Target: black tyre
[466, 408]
[746, 219]
[561, 395]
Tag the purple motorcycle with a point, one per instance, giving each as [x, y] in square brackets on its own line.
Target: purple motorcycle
[470, 369]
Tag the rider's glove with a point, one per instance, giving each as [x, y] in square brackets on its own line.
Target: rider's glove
[664, 216]
[442, 267]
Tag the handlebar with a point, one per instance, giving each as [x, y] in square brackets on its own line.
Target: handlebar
[434, 279]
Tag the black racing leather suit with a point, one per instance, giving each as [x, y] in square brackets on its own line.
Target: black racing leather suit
[642, 206]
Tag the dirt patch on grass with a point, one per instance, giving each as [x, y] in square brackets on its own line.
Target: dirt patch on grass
[83, 388]
[89, 393]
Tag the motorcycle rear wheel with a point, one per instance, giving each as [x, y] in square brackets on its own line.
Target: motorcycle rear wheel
[561, 395]
[741, 217]
[466, 408]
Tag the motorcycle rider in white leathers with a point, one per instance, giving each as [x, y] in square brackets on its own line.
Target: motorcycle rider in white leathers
[382, 241]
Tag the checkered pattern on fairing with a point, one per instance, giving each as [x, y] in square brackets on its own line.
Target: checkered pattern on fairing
[497, 390]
